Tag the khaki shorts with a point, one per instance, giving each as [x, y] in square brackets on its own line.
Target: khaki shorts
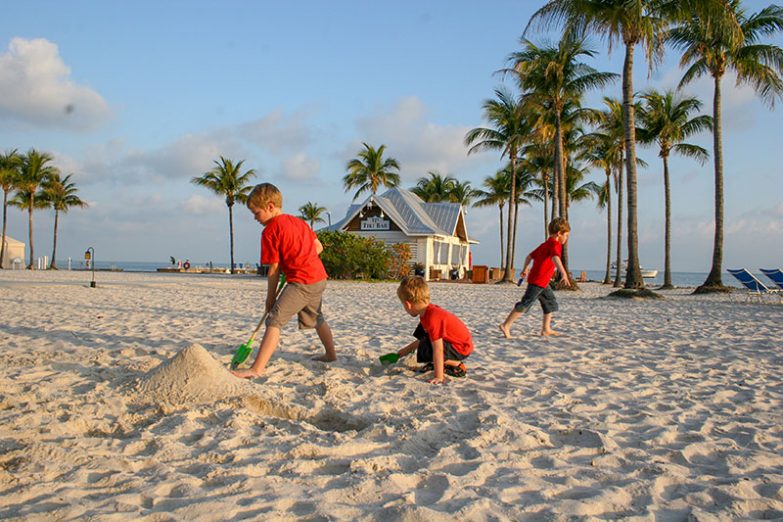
[301, 300]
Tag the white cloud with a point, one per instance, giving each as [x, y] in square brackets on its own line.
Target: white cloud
[36, 89]
[300, 168]
[276, 133]
[417, 144]
[202, 205]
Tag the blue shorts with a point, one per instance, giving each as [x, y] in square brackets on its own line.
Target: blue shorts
[534, 293]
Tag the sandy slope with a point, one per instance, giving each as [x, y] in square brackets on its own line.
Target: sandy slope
[115, 404]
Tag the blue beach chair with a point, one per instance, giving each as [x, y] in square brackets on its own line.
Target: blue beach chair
[775, 275]
[755, 288]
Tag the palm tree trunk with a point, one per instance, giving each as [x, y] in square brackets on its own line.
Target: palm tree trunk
[619, 261]
[5, 213]
[231, 234]
[31, 265]
[667, 267]
[607, 279]
[53, 264]
[513, 197]
[714, 277]
[514, 242]
[633, 275]
[555, 193]
[502, 259]
[546, 204]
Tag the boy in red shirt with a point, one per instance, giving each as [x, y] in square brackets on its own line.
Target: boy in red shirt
[441, 338]
[545, 258]
[288, 244]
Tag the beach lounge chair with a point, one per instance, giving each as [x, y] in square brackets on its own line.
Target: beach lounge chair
[775, 275]
[755, 288]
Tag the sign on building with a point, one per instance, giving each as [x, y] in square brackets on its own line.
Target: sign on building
[374, 223]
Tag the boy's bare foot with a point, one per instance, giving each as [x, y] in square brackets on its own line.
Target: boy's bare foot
[325, 358]
[246, 374]
[505, 330]
[550, 333]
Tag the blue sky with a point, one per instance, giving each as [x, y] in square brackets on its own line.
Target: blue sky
[160, 89]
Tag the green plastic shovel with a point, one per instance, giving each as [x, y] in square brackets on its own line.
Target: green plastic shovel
[243, 351]
[389, 358]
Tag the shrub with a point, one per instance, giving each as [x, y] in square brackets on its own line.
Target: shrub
[348, 256]
[399, 260]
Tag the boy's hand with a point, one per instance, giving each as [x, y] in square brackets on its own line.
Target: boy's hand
[436, 380]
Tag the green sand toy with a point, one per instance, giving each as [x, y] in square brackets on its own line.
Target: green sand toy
[389, 358]
[243, 351]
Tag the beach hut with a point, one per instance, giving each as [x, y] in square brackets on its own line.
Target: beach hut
[435, 232]
[13, 254]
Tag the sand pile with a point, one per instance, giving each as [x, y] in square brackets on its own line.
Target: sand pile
[191, 376]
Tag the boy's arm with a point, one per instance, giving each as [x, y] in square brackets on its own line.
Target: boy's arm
[408, 349]
[272, 278]
[318, 247]
[528, 259]
[561, 268]
[437, 361]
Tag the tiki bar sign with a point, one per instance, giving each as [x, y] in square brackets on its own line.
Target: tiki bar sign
[375, 223]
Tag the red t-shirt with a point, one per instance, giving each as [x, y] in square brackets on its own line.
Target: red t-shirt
[441, 324]
[290, 242]
[543, 266]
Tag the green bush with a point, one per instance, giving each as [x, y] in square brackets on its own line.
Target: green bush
[348, 256]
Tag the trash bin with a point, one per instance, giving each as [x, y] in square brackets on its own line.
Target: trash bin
[480, 274]
[434, 274]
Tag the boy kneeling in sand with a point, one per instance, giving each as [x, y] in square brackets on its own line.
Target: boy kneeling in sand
[290, 245]
[545, 257]
[442, 340]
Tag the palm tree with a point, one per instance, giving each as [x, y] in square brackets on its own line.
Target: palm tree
[665, 120]
[370, 170]
[434, 188]
[539, 159]
[10, 162]
[496, 194]
[605, 201]
[60, 194]
[611, 128]
[510, 132]
[463, 193]
[227, 179]
[632, 22]
[555, 78]
[715, 48]
[603, 155]
[35, 170]
[311, 213]
[524, 179]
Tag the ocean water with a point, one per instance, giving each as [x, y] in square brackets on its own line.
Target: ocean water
[681, 279]
[136, 266]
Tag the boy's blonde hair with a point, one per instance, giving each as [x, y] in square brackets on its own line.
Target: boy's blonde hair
[264, 193]
[414, 289]
[558, 225]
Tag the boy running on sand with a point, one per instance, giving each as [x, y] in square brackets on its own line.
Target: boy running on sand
[441, 338]
[545, 258]
[288, 244]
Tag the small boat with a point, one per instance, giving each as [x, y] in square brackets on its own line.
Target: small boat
[647, 273]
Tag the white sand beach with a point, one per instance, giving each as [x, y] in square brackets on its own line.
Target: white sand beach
[115, 404]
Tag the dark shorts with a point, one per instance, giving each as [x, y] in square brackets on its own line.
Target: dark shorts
[534, 293]
[301, 300]
[424, 351]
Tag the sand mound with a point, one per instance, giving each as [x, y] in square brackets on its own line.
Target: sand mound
[191, 376]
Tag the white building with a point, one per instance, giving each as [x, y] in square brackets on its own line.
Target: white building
[436, 232]
[13, 254]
